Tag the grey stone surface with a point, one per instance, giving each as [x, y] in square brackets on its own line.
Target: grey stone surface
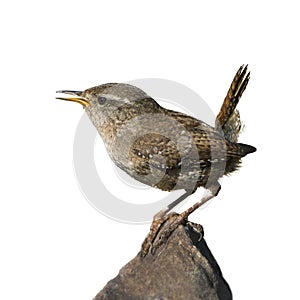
[182, 268]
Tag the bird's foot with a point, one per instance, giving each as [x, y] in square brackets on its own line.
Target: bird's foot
[163, 226]
[158, 220]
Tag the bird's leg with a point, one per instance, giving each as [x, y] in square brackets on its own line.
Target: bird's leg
[160, 218]
[211, 192]
[175, 220]
[164, 211]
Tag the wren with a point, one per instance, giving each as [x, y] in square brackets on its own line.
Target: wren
[163, 148]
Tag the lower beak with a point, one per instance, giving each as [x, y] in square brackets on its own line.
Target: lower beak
[79, 99]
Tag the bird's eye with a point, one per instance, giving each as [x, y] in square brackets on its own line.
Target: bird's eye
[101, 100]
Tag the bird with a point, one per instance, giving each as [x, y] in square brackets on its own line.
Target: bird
[163, 148]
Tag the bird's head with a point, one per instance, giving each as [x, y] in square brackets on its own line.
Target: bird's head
[106, 95]
[111, 103]
[106, 98]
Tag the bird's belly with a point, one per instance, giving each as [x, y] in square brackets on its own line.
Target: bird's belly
[168, 180]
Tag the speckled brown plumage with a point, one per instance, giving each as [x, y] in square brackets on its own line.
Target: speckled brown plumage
[162, 148]
[152, 154]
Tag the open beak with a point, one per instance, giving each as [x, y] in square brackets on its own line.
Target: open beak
[78, 98]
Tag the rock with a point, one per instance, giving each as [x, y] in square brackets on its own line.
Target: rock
[182, 268]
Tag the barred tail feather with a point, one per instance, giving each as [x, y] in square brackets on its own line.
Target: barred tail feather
[228, 119]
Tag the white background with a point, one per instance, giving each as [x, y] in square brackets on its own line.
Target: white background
[54, 245]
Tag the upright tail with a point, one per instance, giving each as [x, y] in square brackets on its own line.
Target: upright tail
[228, 120]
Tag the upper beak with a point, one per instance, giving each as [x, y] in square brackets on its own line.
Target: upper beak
[79, 99]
